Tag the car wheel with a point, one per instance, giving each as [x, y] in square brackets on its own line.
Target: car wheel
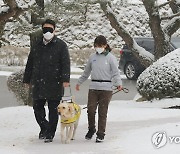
[130, 71]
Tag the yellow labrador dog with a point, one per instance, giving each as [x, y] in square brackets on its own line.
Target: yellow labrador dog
[70, 113]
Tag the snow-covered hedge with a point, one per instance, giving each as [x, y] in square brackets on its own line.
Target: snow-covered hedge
[15, 84]
[162, 78]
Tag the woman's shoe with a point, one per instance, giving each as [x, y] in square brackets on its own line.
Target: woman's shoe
[99, 138]
[90, 134]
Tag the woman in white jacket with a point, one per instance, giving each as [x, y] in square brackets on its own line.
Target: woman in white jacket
[103, 67]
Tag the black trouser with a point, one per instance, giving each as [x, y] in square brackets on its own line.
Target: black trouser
[40, 115]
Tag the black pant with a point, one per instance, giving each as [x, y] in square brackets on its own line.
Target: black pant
[40, 115]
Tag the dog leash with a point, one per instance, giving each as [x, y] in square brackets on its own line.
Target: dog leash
[125, 90]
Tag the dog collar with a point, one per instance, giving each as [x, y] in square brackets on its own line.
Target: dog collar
[76, 116]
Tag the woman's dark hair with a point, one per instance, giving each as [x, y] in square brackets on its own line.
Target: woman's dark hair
[100, 41]
[49, 21]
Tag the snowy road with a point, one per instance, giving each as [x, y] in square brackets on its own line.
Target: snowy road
[7, 98]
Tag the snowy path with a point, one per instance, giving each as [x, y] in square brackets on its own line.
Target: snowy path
[115, 131]
[130, 127]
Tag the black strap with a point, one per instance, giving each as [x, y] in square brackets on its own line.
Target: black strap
[101, 80]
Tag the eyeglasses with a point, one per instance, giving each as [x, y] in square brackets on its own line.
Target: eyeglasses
[47, 29]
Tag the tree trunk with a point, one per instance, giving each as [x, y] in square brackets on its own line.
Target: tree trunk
[161, 39]
[36, 19]
[173, 27]
[174, 7]
[37, 13]
[123, 33]
[2, 25]
[175, 23]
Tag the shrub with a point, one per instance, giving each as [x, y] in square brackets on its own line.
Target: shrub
[162, 78]
[15, 84]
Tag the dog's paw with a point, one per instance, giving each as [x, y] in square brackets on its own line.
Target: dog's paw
[68, 141]
[63, 141]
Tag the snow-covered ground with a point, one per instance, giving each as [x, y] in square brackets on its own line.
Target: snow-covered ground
[5, 73]
[130, 128]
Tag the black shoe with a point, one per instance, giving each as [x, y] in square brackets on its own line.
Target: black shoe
[48, 138]
[99, 138]
[90, 134]
[42, 134]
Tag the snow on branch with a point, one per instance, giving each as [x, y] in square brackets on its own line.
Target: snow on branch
[144, 56]
[13, 10]
[93, 1]
[172, 26]
[4, 9]
[170, 17]
[142, 52]
[24, 4]
[164, 4]
[10, 12]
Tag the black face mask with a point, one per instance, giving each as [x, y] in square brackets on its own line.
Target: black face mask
[47, 29]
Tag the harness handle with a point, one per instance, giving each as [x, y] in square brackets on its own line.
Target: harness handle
[67, 98]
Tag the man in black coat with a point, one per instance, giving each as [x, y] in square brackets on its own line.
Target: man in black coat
[48, 72]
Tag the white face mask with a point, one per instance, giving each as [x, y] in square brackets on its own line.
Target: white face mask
[48, 35]
[99, 50]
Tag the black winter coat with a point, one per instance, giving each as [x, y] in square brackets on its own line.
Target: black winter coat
[48, 66]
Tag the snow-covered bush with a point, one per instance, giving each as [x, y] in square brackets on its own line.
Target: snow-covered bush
[162, 78]
[21, 92]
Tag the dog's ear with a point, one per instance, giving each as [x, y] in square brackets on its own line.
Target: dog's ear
[71, 108]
